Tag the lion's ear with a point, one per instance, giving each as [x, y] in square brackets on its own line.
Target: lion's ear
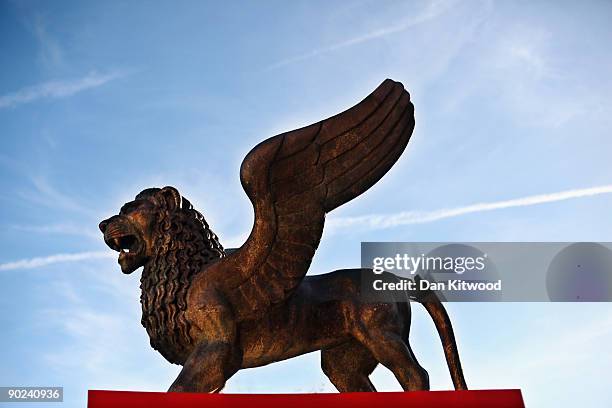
[171, 196]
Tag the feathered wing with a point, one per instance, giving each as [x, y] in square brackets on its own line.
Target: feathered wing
[294, 178]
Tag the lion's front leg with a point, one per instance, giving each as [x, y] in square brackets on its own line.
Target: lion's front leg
[217, 356]
[207, 369]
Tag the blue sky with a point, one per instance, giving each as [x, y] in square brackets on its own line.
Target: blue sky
[99, 100]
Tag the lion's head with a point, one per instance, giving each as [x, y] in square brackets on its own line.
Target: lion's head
[161, 231]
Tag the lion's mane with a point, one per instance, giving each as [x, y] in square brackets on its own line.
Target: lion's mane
[184, 243]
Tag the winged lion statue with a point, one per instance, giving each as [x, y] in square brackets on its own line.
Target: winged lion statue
[215, 311]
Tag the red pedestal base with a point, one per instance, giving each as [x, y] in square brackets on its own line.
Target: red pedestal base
[418, 399]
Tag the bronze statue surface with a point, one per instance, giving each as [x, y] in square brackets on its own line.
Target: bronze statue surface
[215, 312]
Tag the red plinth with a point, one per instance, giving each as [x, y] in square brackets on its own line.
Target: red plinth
[418, 399]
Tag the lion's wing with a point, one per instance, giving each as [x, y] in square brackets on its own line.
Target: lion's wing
[294, 178]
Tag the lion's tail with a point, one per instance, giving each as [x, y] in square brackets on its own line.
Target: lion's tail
[438, 314]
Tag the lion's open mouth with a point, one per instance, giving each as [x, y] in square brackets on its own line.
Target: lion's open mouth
[123, 236]
[130, 251]
[125, 243]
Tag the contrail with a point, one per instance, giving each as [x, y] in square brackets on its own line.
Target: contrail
[52, 259]
[57, 89]
[369, 221]
[433, 10]
[383, 221]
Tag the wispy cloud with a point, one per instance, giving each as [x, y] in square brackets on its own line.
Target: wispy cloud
[50, 53]
[38, 262]
[530, 77]
[45, 193]
[433, 10]
[421, 217]
[57, 89]
[62, 228]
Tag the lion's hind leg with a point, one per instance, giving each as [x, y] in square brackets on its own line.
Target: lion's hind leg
[383, 330]
[391, 351]
[348, 366]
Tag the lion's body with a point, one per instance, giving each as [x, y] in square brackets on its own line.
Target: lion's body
[328, 313]
[309, 321]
